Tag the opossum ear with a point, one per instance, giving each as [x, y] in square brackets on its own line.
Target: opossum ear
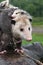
[22, 13]
[13, 22]
[30, 20]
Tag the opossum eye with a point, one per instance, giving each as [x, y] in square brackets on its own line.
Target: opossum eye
[22, 12]
[29, 28]
[30, 20]
[16, 13]
[13, 22]
[21, 29]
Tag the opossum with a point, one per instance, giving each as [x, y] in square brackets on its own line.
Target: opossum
[6, 40]
[20, 26]
[23, 28]
[19, 29]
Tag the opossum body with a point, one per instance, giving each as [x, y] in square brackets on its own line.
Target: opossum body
[6, 41]
[20, 29]
[6, 34]
[20, 26]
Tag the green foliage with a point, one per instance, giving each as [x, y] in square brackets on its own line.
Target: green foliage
[34, 7]
[37, 21]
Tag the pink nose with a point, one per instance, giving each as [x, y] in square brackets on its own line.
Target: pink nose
[29, 39]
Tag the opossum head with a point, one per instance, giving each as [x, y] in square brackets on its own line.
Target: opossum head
[18, 12]
[23, 28]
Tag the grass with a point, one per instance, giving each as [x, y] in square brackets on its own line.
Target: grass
[37, 24]
[36, 38]
[37, 21]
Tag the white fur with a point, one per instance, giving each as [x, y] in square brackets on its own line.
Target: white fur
[2, 3]
[7, 5]
[17, 14]
[18, 11]
[26, 34]
[7, 2]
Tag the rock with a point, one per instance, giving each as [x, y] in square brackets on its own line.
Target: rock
[14, 59]
[37, 50]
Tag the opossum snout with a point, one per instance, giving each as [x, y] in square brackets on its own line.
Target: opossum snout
[30, 39]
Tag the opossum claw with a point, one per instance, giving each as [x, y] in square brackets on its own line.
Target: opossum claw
[2, 52]
[19, 50]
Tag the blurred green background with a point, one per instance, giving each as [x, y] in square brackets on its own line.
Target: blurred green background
[35, 8]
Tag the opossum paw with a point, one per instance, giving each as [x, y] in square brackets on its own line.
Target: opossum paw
[2, 52]
[19, 50]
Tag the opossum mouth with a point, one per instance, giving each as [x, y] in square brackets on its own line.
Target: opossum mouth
[13, 22]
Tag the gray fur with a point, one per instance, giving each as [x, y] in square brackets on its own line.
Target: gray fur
[5, 31]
